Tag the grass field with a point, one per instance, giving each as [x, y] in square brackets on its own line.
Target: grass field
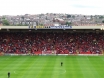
[49, 66]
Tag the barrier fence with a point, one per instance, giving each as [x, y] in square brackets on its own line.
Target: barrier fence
[55, 54]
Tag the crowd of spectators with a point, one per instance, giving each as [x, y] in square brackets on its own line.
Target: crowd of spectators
[62, 42]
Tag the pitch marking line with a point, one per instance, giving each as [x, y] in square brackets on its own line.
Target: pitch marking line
[64, 71]
[15, 72]
[87, 58]
[7, 58]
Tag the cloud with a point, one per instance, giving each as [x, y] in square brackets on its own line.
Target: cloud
[14, 7]
[88, 3]
[84, 6]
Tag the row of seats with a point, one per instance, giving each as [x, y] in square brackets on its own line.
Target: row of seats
[62, 42]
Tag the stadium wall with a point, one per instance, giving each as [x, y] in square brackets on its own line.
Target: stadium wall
[57, 54]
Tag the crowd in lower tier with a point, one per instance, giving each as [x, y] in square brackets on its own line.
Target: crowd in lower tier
[62, 42]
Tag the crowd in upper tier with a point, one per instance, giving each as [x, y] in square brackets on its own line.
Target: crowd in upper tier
[62, 42]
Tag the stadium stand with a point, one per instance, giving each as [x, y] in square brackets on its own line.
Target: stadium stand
[62, 42]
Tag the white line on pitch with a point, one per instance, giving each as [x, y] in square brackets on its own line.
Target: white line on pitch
[87, 58]
[14, 72]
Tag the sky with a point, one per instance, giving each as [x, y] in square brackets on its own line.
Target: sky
[21, 7]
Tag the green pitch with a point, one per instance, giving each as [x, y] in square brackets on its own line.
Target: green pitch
[49, 66]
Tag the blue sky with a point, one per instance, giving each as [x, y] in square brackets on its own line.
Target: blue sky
[21, 7]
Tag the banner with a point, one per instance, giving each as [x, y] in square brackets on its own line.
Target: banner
[90, 54]
[32, 27]
[39, 27]
[1, 53]
[49, 52]
[60, 27]
[50, 27]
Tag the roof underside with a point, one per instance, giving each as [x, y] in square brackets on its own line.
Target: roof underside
[51, 30]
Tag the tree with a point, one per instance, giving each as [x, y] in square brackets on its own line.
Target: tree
[19, 25]
[3, 18]
[103, 21]
[101, 17]
[54, 14]
[68, 23]
[68, 16]
[73, 16]
[26, 25]
[41, 24]
[23, 18]
[96, 22]
[5, 22]
[84, 16]
[91, 16]
[46, 18]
